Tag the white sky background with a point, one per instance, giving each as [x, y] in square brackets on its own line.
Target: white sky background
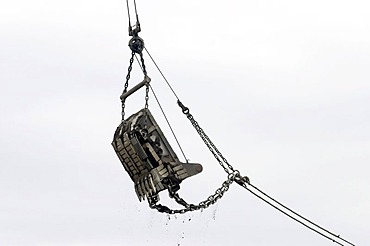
[282, 88]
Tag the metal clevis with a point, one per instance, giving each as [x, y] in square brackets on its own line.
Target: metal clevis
[148, 157]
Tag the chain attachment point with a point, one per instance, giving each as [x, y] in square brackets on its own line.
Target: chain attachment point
[184, 109]
[136, 44]
[241, 180]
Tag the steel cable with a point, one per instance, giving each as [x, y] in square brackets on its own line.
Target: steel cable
[218, 154]
[128, 12]
[290, 216]
[160, 71]
[295, 213]
[137, 16]
[164, 115]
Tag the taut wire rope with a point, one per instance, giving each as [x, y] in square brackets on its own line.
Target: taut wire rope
[244, 185]
[233, 174]
[164, 115]
[292, 211]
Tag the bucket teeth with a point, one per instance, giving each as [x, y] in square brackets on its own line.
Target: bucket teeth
[147, 156]
[147, 188]
[142, 187]
[137, 192]
[141, 191]
[152, 183]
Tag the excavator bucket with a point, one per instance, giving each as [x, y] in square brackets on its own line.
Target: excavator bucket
[148, 158]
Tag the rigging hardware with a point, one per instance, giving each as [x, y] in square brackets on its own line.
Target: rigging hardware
[153, 166]
[140, 144]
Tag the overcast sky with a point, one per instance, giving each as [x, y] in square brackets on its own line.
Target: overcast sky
[281, 87]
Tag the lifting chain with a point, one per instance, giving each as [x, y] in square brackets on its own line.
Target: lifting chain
[212, 199]
[143, 67]
[212, 148]
[136, 45]
[233, 175]
[126, 84]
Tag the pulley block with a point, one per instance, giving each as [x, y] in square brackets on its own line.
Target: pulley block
[136, 44]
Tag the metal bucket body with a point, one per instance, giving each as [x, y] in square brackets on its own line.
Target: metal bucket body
[148, 157]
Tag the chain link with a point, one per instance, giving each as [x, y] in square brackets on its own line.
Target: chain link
[146, 96]
[136, 45]
[143, 64]
[212, 199]
[143, 67]
[212, 148]
[218, 194]
[126, 84]
[233, 175]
